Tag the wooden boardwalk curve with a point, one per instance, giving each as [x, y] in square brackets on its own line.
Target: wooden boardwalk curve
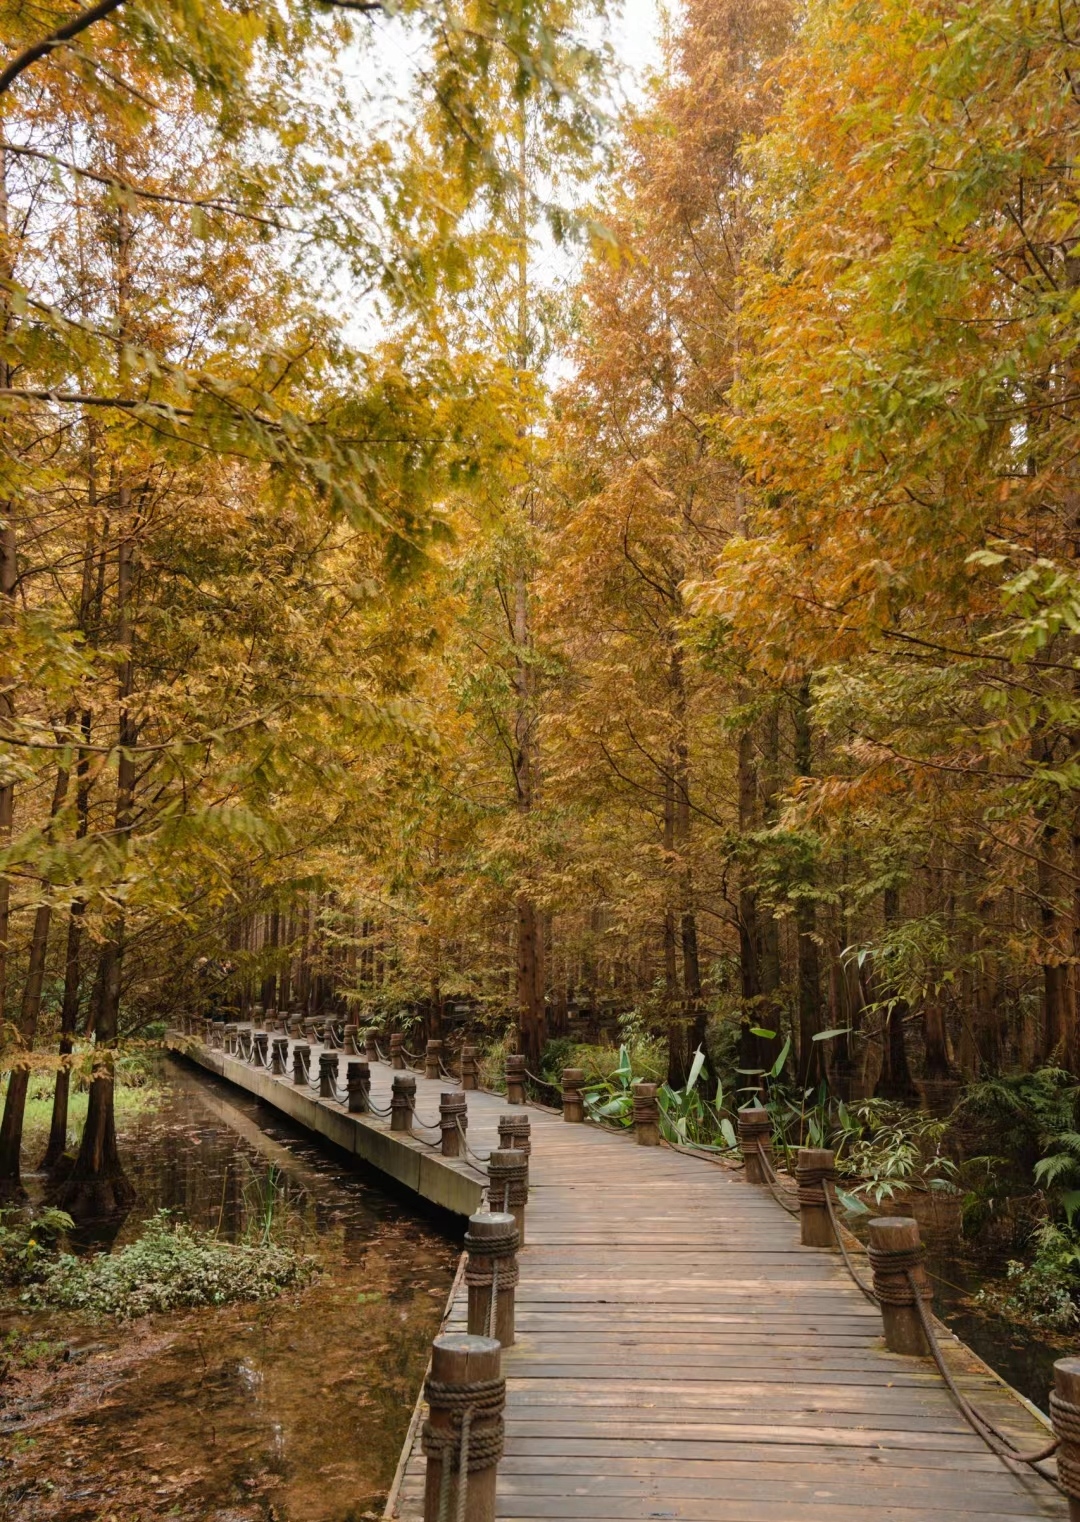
[680, 1356]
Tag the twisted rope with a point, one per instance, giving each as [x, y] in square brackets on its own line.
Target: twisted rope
[459, 1446]
[773, 1182]
[501, 1275]
[996, 1440]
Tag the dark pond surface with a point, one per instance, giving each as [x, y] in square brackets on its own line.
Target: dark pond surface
[292, 1411]
[1025, 1359]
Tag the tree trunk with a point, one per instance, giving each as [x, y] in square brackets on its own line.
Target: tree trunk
[808, 969]
[894, 1081]
[11, 1127]
[97, 1185]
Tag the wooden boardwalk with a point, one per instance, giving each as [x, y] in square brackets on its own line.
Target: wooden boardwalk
[680, 1356]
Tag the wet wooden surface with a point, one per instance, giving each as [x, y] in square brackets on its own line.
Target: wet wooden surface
[679, 1355]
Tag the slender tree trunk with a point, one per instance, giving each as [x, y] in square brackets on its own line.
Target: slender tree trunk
[894, 1081]
[811, 1065]
[98, 1185]
[11, 1127]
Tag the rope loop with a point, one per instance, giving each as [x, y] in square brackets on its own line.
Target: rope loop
[1066, 1418]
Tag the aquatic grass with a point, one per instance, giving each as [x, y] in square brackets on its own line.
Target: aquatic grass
[170, 1267]
[139, 1092]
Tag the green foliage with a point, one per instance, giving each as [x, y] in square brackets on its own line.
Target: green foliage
[600, 1063]
[170, 1267]
[28, 1239]
[1045, 1291]
[891, 1148]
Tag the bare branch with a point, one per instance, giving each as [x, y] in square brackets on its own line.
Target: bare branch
[78, 23]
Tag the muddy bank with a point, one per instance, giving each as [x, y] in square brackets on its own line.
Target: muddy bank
[293, 1410]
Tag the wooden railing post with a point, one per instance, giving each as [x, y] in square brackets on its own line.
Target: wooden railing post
[397, 1056]
[271, 1019]
[755, 1137]
[515, 1078]
[230, 1039]
[352, 1040]
[469, 1077]
[508, 1185]
[492, 1270]
[402, 1102]
[257, 1017]
[515, 1131]
[815, 1171]
[301, 1059]
[1065, 1416]
[243, 1036]
[573, 1106]
[371, 1047]
[328, 1075]
[646, 1115]
[894, 1251]
[260, 1042]
[279, 1054]
[358, 1083]
[465, 1376]
[433, 1059]
[453, 1113]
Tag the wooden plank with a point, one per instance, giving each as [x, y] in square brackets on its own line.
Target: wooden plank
[681, 1356]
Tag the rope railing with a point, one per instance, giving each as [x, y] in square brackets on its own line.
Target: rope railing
[995, 1439]
[773, 1182]
[469, 1153]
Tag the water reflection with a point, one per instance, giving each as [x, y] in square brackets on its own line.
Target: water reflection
[288, 1411]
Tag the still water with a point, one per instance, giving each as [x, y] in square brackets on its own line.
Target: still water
[293, 1411]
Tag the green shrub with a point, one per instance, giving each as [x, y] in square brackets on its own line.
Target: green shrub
[648, 1060]
[1044, 1292]
[170, 1267]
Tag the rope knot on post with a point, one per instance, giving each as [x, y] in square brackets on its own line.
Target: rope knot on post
[432, 1059]
[301, 1061]
[402, 1102]
[491, 1274]
[463, 1436]
[279, 1054]
[573, 1106]
[397, 1056]
[815, 1171]
[1065, 1416]
[895, 1255]
[328, 1075]
[260, 1043]
[508, 1184]
[453, 1121]
[358, 1083]
[515, 1131]
[755, 1142]
[646, 1115]
[515, 1078]
[469, 1075]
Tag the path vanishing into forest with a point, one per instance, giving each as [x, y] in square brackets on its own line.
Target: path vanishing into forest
[680, 1355]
